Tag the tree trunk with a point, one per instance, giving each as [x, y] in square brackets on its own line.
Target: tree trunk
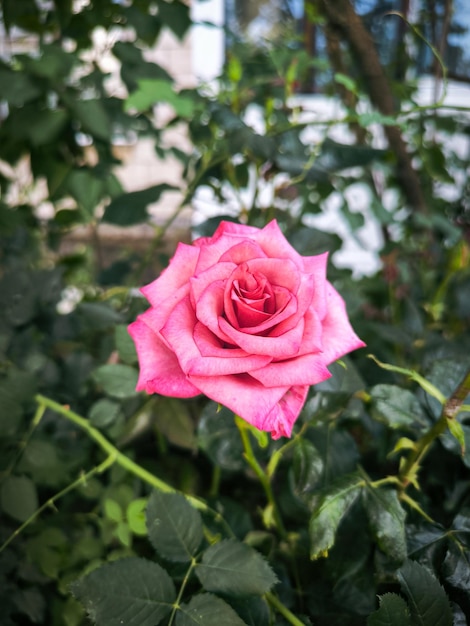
[341, 16]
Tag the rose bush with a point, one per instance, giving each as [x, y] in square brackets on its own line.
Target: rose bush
[244, 319]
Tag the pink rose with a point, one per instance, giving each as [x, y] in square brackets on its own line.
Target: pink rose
[244, 319]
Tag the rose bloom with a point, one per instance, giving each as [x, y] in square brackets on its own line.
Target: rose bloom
[244, 319]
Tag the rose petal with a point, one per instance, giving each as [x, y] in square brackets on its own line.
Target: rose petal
[241, 252]
[309, 369]
[282, 418]
[315, 266]
[275, 245]
[179, 333]
[241, 393]
[338, 335]
[285, 346]
[176, 275]
[160, 371]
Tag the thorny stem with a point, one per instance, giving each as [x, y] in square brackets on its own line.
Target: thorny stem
[125, 462]
[450, 409]
[81, 480]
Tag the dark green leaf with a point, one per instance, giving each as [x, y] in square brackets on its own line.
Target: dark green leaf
[18, 497]
[395, 406]
[253, 610]
[330, 510]
[17, 88]
[219, 438]
[307, 466]
[207, 610]
[387, 521]
[174, 526]
[92, 116]
[117, 380]
[131, 208]
[104, 413]
[175, 15]
[427, 599]
[128, 592]
[236, 569]
[456, 567]
[393, 611]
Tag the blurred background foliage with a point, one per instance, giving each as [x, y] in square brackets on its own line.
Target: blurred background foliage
[255, 153]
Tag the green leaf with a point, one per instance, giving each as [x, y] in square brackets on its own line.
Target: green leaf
[135, 516]
[104, 413]
[427, 599]
[332, 507]
[207, 610]
[236, 569]
[387, 521]
[395, 406]
[456, 567]
[92, 116]
[307, 466]
[253, 610]
[18, 497]
[112, 510]
[175, 15]
[117, 380]
[219, 438]
[152, 91]
[174, 526]
[393, 611]
[132, 591]
[174, 421]
[17, 88]
[125, 345]
[131, 208]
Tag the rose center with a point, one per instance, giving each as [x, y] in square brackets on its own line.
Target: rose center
[253, 299]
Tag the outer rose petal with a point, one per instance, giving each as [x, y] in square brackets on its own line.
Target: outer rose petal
[241, 393]
[309, 369]
[176, 275]
[338, 336]
[160, 371]
[281, 419]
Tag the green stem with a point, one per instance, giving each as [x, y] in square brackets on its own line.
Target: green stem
[120, 458]
[176, 604]
[260, 473]
[82, 480]
[283, 610]
[450, 409]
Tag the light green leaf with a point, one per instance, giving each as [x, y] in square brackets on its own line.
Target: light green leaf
[427, 599]
[457, 431]
[125, 345]
[129, 592]
[117, 380]
[387, 521]
[151, 91]
[135, 516]
[174, 421]
[174, 526]
[332, 507]
[393, 611]
[207, 610]
[112, 510]
[18, 497]
[236, 569]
